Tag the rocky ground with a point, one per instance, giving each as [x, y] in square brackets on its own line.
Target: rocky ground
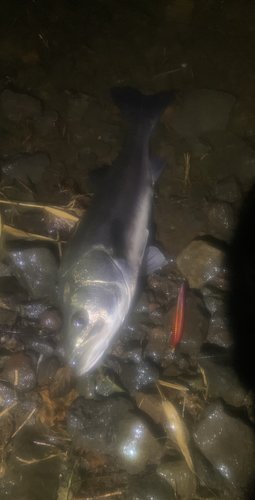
[150, 422]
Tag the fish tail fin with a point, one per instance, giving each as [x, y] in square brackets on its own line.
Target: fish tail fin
[138, 107]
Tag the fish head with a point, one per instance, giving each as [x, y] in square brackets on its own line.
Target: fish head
[92, 315]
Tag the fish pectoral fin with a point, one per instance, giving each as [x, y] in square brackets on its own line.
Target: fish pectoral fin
[157, 167]
[152, 261]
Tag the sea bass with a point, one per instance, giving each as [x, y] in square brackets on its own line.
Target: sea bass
[101, 264]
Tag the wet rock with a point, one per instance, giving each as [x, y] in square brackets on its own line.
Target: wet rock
[157, 314]
[200, 262]
[151, 487]
[229, 156]
[4, 270]
[178, 224]
[203, 110]
[158, 341]
[51, 319]
[163, 288]
[178, 474]
[19, 372]
[41, 345]
[93, 424]
[195, 326]
[221, 218]
[135, 376]
[227, 190]
[26, 167]
[36, 270]
[135, 444]
[227, 443]
[7, 394]
[213, 298]
[223, 381]
[18, 107]
[47, 370]
[32, 309]
[210, 477]
[219, 332]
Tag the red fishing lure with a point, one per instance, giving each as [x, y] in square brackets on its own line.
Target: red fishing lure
[179, 319]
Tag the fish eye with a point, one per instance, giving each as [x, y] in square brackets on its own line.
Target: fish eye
[79, 320]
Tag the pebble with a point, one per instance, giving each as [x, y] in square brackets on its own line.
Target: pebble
[179, 475]
[229, 156]
[135, 444]
[7, 394]
[219, 331]
[136, 376]
[18, 107]
[26, 167]
[158, 341]
[93, 424]
[36, 270]
[221, 218]
[200, 262]
[213, 298]
[228, 444]
[19, 372]
[163, 288]
[223, 381]
[51, 319]
[227, 190]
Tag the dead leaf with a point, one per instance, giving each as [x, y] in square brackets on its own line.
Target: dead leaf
[177, 428]
[54, 410]
[61, 383]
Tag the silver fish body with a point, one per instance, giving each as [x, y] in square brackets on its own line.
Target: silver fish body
[101, 264]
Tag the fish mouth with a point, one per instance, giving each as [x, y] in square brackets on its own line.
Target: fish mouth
[84, 357]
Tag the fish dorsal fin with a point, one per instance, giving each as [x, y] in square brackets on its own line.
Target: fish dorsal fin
[152, 261]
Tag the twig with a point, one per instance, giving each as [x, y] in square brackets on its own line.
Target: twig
[6, 410]
[24, 423]
[114, 493]
[187, 169]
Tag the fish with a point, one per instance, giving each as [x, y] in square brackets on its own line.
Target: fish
[103, 259]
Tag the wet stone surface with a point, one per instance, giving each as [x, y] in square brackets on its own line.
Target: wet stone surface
[93, 424]
[135, 376]
[223, 381]
[36, 270]
[219, 330]
[221, 218]
[135, 444]
[227, 443]
[26, 168]
[18, 371]
[227, 190]
[178, 474]
[200, 262]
